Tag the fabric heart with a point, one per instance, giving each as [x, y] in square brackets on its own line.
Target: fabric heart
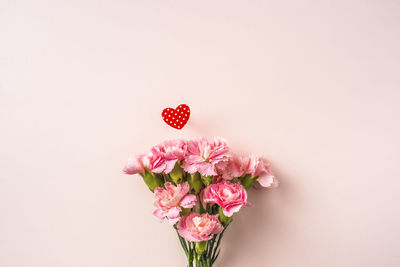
[178, 117]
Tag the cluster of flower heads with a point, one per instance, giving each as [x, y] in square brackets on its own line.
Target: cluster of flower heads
[199, 184]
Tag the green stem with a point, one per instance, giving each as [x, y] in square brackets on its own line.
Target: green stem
[183, 244]
[190, 257]
[215, 254]
[205, 259]
[211, 246]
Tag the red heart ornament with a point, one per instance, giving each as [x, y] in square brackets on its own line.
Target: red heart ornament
[178, 117]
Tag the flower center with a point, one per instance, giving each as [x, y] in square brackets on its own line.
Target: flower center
[197, 221]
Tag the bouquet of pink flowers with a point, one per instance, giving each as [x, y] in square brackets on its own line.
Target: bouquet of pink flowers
[198, 185]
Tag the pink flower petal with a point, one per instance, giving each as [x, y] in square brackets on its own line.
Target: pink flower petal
[267, 180]
[230, 210]
[174, 212]
[169, 165]
[189, 201]
[159, 213]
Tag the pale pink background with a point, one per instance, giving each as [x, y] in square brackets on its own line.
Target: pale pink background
[312, 85]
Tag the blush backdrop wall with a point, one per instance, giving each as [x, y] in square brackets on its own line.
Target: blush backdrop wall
[312, 85]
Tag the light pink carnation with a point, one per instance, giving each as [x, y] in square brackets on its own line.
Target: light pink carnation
[236, 167]
[195, 227]
[167, 154]
[170, 200]
[138, 163]
[160, 159]
[262, 169]
[257, 167]
[205, 156]
[230, 197]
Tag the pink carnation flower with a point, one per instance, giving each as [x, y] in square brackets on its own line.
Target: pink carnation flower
[195, 227]
[205, 156]
[257, 167]
[147, 161]
[167, 154]
[262, 169]
[170, 200]
[160, 159]
[236, 167]
[138, 163]
[230, 197]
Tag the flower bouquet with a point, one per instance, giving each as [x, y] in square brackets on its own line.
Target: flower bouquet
[198, 185]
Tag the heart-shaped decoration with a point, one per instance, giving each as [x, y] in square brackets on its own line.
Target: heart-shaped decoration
[178, 117]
